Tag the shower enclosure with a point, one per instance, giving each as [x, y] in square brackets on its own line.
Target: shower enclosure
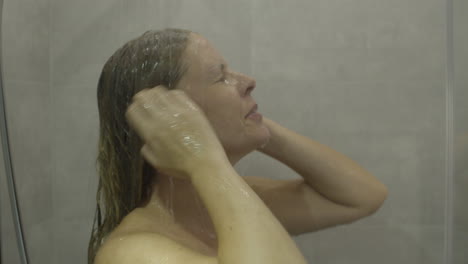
[383, 82]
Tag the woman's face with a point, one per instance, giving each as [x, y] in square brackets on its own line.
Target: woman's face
[224, 96]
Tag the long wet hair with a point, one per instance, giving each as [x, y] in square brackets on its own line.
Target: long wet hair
[125, 177]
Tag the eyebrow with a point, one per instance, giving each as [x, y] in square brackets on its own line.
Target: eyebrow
[221, 67]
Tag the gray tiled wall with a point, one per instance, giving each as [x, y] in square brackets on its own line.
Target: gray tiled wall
[25, 36]
[460, 227]
[364, 77]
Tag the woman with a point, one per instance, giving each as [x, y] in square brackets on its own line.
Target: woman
[165, 163]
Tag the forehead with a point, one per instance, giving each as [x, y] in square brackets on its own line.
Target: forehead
[201, 55]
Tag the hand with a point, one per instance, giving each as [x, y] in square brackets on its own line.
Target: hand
[270, 125]
[178, 137]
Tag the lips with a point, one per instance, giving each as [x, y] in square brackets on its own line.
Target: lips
[253, 110]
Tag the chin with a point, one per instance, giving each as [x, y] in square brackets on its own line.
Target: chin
[238, 150]
[266, 133]
[261, 138]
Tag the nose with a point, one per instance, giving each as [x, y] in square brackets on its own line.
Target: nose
[252, 84]
[248, 84]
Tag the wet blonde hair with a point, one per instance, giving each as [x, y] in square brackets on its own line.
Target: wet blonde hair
[125, 177]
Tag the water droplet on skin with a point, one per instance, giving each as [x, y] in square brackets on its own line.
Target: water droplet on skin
[171, 192]
[245, 192]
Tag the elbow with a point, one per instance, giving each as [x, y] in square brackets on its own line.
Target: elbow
[378, 202]
[374, 202]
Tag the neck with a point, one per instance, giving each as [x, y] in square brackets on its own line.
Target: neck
[175, 200]
[167, 193]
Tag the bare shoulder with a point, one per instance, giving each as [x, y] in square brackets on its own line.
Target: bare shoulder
[148, 248]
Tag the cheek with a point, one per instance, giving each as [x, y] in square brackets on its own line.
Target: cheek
[225, 115]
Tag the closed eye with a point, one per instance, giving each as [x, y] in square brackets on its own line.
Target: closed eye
[222, 79]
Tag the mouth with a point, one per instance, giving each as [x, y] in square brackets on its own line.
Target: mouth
[253, 110]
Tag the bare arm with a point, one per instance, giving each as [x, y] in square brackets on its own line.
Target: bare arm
[247, 230]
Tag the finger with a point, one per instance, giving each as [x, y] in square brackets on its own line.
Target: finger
[146, 92]
[157, 100]
[184, 99]
[177, 97]
[149, 156]
[142, 94]
[160, 88]
[136, 118]
[179, 94]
